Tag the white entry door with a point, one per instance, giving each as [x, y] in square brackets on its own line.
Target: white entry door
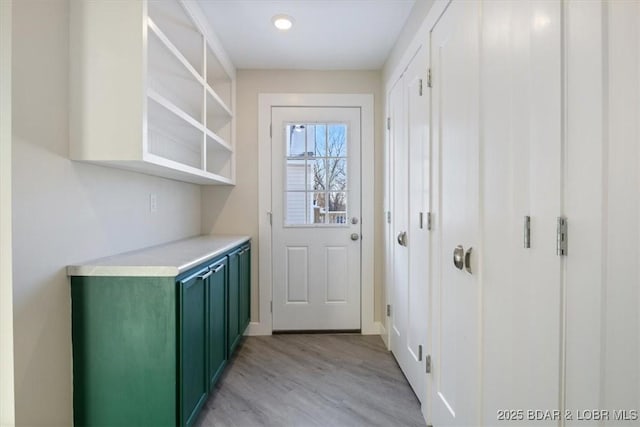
[316, 218]
[456, 293]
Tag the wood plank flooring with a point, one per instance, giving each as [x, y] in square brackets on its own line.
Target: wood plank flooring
[312, 380]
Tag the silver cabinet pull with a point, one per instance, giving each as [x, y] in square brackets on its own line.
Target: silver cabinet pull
[458, 257]
[467, 260]
[217, 268]
[205, 275]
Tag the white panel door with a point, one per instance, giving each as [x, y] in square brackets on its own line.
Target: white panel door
[316, 218]
[521, 170]
[399, 219]
[456, 293]
[602, 205]
[409, 118]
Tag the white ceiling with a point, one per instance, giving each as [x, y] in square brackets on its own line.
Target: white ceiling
[326, 35]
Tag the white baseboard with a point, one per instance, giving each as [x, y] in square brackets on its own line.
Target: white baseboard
[371, 329]
[257, 328]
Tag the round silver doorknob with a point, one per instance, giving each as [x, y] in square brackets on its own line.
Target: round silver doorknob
[402, 238]
[355, 236]
[467, 260]
[458, 257]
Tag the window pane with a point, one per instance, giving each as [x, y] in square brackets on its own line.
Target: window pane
[321, 140]
[296, 174]
[337, 144]
[319, 207]
[337, 174]
[297, 208]
[319, 181]
[295, 140]
[337, 208]
[311, 139]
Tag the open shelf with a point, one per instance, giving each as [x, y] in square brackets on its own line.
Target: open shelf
[219, 119]
[169, 76]
[218, 79]
[183, 128]
[219, 158]
[172, 19]
[172, 137]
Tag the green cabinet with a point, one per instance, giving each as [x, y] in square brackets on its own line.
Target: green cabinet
[124, 335]
[239, 295]
[217, 321]
[244, 275]
[233, 301]
[193, 308]
[148, 350]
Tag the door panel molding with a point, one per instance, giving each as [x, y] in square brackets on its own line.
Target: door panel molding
[265, 103]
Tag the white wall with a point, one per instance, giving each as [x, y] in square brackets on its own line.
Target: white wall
[227, 211]
[66, 212]
[7, 414]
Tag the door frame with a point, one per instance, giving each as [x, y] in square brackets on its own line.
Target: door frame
[266, 101]
[7, 385]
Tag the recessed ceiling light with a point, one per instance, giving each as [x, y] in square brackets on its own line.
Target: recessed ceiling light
[282, 22]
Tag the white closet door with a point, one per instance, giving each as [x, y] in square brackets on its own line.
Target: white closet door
[410, 296]
[456, 292]
[603, 209]
[521, 169]
[418, 305]
[399, 219]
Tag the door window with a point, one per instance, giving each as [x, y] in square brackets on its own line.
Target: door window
[316, 174]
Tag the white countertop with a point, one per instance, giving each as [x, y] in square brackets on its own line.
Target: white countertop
[168, 260]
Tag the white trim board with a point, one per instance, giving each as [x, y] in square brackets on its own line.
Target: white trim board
[265, 103]
[7, 394]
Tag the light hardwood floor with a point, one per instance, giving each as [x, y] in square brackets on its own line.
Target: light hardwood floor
[312, 380]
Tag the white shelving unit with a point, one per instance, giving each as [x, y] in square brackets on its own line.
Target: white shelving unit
[152, 91]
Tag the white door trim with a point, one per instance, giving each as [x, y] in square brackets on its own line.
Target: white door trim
[265, 102]
[7, 394]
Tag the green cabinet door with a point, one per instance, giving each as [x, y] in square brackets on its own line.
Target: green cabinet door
[217, 321]
[193, 349]
[245, 288]
[233, 326]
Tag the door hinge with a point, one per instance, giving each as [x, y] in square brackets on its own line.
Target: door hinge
[421, 219]
[270, 131]
[388, 123]
[429, 221]
[388, 217]
[420, 353]
[271, 306]
[527, 232]
[429, 81]
[270, 218]
[427, 364]
[562, 236]
[420, 91]
[388, 310]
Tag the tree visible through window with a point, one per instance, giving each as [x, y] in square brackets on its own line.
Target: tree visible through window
[316, 184]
